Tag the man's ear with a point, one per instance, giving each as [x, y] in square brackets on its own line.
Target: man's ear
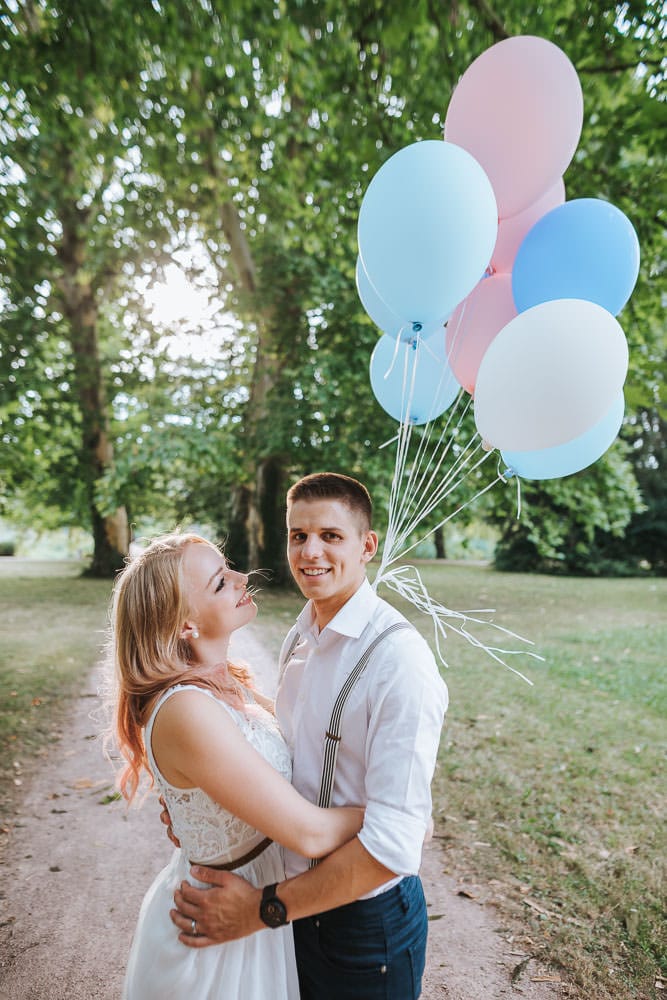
[370, 546]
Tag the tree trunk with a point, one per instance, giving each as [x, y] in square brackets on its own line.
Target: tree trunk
[237, 549]
[110, 532]
[267, 519]
[258, 509]
[439, 539]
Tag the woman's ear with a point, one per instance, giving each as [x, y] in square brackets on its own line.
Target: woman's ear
[189, 632]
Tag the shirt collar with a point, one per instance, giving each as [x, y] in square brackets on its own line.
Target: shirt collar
[352, 618]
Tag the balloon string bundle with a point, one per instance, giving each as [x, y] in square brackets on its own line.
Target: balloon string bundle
[416, 491]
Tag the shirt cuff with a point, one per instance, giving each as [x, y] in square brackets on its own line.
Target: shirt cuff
[393, 838]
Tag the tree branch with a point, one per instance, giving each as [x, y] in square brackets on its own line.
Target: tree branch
[493, 22]
[620, 67]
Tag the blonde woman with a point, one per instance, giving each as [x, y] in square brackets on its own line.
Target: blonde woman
[211, 744]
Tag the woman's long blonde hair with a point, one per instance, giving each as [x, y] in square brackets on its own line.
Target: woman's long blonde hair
[149, 653]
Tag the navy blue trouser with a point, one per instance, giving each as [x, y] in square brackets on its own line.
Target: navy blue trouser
[374, 949]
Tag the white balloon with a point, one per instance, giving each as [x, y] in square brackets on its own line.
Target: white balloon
[550, 375]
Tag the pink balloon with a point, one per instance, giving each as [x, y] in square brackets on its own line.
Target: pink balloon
[474, 324]
[518, 109]
[512, 231]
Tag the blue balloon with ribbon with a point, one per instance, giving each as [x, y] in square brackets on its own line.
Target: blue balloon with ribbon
[378, 310]
[573, 456]
[382, 315]
[427, 228]
[411, 380]
[585, 249]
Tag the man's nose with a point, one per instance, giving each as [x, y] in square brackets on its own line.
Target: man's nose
[312, 547]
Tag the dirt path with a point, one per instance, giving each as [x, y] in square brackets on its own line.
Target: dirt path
[75, 869]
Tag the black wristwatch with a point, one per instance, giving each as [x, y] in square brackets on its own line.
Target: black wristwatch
[272, 910]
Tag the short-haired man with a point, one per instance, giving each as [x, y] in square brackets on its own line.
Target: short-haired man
[359, 916]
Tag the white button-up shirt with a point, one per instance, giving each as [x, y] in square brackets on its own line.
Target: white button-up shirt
[390, 728]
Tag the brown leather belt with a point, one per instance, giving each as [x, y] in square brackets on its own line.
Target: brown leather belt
[229, 866]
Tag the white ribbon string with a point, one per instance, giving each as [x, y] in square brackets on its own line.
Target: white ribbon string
[418, 488]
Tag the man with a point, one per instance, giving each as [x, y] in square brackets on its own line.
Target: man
[359, 916]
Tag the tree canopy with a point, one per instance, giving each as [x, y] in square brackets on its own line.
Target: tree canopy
[239, 139]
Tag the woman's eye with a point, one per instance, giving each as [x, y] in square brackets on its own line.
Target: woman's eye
[221, 583]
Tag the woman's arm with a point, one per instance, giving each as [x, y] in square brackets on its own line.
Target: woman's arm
[197, 744]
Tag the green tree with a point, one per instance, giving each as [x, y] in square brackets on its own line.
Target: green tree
[257, 131]
[77, 213]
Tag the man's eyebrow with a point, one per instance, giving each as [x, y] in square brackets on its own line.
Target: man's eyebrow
[323, 528]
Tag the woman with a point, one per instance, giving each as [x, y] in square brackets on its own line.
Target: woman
[211, 744]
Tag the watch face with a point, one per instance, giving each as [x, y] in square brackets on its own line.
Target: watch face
[273, 912]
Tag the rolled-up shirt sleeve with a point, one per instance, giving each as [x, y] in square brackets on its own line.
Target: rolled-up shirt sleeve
[406, 709]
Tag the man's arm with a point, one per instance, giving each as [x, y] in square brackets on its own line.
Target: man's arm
[230, 908]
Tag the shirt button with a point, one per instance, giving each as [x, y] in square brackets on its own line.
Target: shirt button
[383, 969]
[317, 923]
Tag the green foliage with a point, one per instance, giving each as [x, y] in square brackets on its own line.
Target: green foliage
[133, 130]
[561, 518]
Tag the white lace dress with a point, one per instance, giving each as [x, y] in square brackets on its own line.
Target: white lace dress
[259, 967]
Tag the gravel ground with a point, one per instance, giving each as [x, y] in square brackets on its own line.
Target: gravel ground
[75, 868]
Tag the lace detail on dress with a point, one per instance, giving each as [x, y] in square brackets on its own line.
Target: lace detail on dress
[207, 832]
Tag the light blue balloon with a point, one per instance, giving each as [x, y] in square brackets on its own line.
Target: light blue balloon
[427, 228]
[413, 394]
[584, 249]
[573, 456]
[382, 316]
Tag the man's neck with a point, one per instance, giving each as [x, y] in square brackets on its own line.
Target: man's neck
[325, 611]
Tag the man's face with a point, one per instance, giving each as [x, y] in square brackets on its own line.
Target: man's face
[328, 549]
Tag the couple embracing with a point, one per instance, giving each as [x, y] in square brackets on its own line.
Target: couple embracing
[301, 825]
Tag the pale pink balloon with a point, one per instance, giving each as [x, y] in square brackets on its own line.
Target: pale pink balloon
[518, 109]
[474, 323]
[512, 231]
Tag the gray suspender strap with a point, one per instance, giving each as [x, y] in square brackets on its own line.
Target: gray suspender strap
[332, 737]
[288, 655]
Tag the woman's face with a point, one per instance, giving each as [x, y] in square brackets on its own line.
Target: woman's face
[217, 595]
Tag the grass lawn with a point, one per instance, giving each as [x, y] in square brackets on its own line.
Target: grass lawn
[553, 793]
[51, 632]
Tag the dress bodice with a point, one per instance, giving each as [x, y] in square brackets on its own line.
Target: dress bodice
[207, 832]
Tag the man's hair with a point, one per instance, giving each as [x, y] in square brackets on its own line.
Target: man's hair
[334, 486]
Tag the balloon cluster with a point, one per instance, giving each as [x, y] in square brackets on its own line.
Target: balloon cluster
[474, 234]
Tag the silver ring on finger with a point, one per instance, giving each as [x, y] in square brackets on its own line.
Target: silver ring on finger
[193, 930]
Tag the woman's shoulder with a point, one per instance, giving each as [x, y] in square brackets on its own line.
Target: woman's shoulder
[179, 699]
